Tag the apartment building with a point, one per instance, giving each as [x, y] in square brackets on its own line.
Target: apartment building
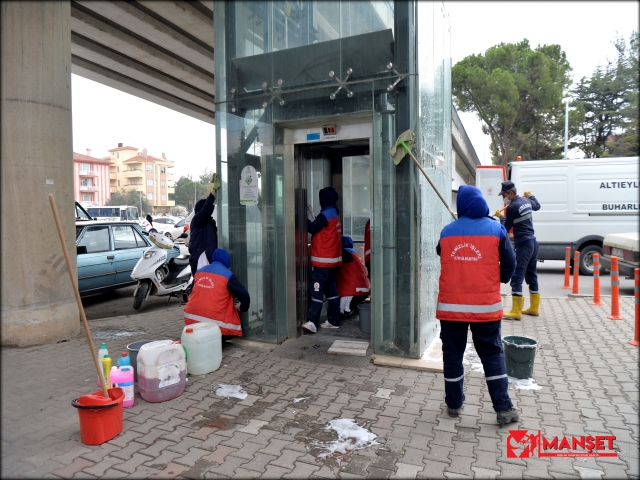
[91, 185]
[133, 169]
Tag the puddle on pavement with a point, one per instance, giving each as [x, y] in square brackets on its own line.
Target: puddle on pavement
[472, 359]
[106, 334]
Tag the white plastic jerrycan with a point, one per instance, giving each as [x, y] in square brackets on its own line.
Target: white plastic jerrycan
[162, 371]
[203, 342]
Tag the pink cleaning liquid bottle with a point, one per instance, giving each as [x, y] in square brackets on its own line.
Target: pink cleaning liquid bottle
[123, 378]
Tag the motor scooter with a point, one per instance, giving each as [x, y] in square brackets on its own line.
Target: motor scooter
[158, 277]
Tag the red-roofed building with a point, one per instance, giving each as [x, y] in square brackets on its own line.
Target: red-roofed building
[133, 169]
[91, 185]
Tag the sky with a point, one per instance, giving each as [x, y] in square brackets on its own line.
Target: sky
[103, 116]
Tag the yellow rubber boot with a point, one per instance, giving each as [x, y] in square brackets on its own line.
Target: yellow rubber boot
[535, 305]
[516, 309]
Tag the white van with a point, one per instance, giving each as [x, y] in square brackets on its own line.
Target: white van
[581, 201]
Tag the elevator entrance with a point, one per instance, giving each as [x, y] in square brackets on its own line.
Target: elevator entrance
[346, 166]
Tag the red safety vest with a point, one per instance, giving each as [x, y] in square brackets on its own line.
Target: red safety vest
[367, 241]
[211, 301]
[326, 245]
[352, 278]
[470, 278]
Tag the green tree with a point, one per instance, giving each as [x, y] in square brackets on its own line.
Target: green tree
[517, 93]
[609, 99]
[131, 198]
[186, 189]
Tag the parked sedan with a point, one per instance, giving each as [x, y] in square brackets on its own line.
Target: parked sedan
[625, 247]
[107, 252]
[164, 225]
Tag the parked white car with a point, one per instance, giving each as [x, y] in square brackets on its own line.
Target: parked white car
[164, 225]
[625, 247]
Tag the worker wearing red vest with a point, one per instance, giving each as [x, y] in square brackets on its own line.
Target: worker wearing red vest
[212, 297]
[475, 256]
[353, 284]
[326, 256]
[367, 248]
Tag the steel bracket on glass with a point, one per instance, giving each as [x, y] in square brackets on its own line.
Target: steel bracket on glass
[341, 84]
[390, 87]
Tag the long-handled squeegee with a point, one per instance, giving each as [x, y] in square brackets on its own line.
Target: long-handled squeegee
[406, 140]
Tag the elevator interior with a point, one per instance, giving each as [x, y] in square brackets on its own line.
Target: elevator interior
[346, 166]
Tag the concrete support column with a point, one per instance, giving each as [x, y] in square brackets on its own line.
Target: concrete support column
[38, 304]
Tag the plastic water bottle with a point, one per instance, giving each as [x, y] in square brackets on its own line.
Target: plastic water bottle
[124, 360]
[101, 353]
[106, 368]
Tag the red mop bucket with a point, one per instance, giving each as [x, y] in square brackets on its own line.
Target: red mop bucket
[100, 418]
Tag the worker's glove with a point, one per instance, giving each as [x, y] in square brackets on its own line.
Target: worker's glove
[497, 213]
[527, 193]
[310, 214]
[237, 305]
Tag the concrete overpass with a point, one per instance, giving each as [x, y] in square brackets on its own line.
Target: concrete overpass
[160, 51]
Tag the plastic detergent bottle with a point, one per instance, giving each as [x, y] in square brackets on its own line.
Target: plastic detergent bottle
[204, 342]
[162, 371]
[106, 368]
[122, 377]
[124, 360]
[101, 353]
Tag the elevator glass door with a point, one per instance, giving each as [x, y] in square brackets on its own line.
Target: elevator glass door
[344, 166]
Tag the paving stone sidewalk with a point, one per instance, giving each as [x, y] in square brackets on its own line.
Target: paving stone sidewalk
[587, 370]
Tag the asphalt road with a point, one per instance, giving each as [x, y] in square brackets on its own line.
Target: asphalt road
[550, 280]
[120, 302]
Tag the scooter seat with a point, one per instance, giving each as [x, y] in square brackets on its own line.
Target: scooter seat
[181, 261]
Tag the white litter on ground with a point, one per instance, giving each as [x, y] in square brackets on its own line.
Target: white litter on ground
[524, 383]
[351, 436]
[234, 391]
[296, 400]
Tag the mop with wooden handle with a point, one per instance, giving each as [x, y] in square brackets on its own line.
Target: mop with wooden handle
[74, 284]
[406, 140]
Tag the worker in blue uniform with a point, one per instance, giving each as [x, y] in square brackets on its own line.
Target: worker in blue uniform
[519, 215]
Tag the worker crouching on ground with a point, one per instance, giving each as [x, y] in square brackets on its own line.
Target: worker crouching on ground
[212, 298]
[475, 256]
[326, 256]
[353, 284]
[519, 216]
[367, 248]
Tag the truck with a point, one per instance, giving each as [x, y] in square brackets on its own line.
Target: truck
[581, 201]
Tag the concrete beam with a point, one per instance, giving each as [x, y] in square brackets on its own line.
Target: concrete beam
[38, 302]
[97, 54]
[185, 16]
[208, 4]
[133, 19]
[118, 81]
[120, 41]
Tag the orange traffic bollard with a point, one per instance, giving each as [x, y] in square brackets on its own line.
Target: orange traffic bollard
[576, 272]
[596, 280]
[636, 294]
[567, 268]
[615, 291]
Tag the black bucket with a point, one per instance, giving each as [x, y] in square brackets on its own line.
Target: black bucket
[519, 353]
[133, 349]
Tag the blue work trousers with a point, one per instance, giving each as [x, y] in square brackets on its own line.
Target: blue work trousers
[323, 283]
[488, 344]
[526, 267]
